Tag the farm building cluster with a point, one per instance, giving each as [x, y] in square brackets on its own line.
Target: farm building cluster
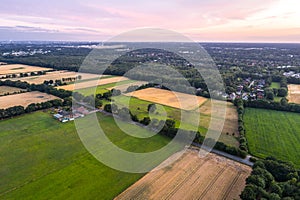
[65, 116]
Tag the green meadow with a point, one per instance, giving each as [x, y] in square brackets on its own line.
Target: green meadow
[273, 133]
[42, 158]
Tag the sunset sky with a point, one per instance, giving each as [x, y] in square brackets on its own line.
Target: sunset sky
[201, 20]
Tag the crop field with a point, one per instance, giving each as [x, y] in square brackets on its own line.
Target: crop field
[169, 98]
[42, 158]
[18, 68]
[191, 177]
[24, 99]
[57, 75]
[294, 93]
[92, 84]
[231, 117]
[273, 133]
[9, 90]
[139, 107]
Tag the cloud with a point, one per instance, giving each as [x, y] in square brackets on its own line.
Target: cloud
[93, 18]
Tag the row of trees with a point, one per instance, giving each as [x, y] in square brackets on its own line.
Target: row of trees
[19, 110]
[40, 87]
[57, 82]
[283, 105]
[15, 75]
[169, 129]
[272, 179]
[240, 110]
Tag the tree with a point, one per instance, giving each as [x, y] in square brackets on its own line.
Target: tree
[124, 113]
[275, 188]
[274, 196]
[30, 108]
[284, 101]
[170, 123]
[114, 108]
[270, 95]
[256, 180]
[98, 103]
[151, 108]
[89, 100]
[78, 96]
[116, 92]
[134, 118]
[249, 193]
[146, 121]
[107, 108]
[282, 92]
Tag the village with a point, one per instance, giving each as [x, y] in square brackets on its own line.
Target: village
[250, 89]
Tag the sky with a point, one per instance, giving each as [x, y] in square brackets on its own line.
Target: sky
[200, 20]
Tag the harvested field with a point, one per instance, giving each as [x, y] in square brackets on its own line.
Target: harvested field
[169, 98]
[57, 75]
[192, 177]
[294, 93]
[18, 68]
[25, 99]
[9, 90]
[93, 83]
[231, 118]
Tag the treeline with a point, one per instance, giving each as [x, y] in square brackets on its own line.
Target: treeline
[167, 128]
[15, 75]
[272, 179]
[239, 103]
[40, 87]
[90, 100]
[18, 110]
[283, 105]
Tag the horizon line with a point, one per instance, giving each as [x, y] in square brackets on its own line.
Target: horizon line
[96, 41]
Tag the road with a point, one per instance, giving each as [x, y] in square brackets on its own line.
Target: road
[245, 161]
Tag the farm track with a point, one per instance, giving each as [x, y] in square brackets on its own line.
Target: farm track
[231, 185]
[212, 182]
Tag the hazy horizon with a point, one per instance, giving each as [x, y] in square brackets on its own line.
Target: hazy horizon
[271, 21]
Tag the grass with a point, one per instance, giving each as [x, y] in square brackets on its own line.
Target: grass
[277, 99]
[42, 158]
[101, 88]
[273, 133]
[275, 85]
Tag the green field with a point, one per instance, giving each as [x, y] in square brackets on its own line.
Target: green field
[275, 85]
[42, 158]
[101, 88]
[273, 133]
